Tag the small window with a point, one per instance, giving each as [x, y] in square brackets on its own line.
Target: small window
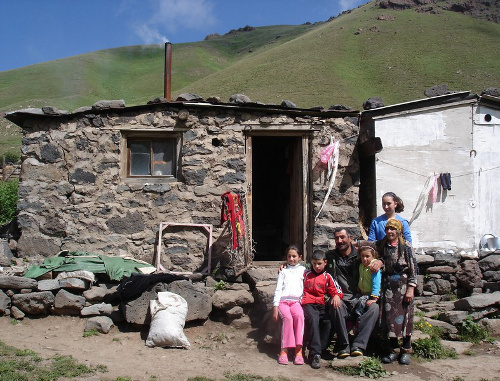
[151, 157]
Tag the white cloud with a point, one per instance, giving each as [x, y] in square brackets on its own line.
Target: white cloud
[173, 15]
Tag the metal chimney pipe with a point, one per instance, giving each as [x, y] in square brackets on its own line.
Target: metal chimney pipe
[167, 89]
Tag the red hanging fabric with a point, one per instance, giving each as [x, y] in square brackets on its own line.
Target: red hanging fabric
[233, 212]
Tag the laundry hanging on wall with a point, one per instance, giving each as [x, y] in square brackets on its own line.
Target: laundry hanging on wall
[430, 191]
[433, 193]
[232, 211]
[445, 179]
[330, 156]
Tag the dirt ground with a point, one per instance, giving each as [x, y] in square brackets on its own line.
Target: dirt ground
[215, 349]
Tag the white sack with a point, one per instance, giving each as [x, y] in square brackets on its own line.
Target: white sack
[168, 316]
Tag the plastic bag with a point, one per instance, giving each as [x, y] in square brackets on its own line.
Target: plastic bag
[168, 317]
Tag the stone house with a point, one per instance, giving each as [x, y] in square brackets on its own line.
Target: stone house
[103, 179]
[147, 181]
[457, 133]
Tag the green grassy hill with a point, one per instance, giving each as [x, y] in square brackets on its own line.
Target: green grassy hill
[357, 56]
[367, 52]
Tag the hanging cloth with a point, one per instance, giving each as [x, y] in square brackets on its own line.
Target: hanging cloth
[433, 193]
[330, 153]
[445, 180]
[233, 212]
[424, 194]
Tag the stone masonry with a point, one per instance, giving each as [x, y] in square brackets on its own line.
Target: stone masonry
[74, 193]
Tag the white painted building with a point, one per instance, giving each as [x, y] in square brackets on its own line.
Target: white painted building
[456, 133]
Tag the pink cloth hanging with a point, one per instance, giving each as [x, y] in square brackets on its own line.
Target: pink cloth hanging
[327, 152]
[433, 193]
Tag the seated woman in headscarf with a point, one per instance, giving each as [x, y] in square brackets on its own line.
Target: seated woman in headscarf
[399, 280]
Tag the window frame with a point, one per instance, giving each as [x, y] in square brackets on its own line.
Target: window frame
[142, 136]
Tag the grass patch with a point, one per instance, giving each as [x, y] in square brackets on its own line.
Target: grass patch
[427, 328]
[91, 332]
[220, 285]
[432, 349]
[369, 367]
[26, 365]
[420, 313]
[228, 376]
[8, 201]
[471, 331]
[470, 352]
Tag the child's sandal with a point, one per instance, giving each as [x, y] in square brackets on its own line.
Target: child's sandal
[283, 359]
[299, 360]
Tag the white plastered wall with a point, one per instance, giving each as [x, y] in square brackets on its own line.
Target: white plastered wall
[486, 142]
[446, 139]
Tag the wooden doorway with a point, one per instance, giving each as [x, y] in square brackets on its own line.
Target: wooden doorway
[278, 175]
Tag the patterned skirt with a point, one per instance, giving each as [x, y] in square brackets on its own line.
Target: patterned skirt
[396, 315]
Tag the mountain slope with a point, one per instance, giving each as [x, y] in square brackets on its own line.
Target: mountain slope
[369, 51]
[134, 73]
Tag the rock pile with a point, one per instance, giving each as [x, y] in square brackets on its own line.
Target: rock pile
[101, 304]
[451, 288]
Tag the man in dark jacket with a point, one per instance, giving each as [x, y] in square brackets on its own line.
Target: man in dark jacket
[343, 265]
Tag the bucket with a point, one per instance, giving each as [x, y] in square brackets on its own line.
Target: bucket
[491, 243]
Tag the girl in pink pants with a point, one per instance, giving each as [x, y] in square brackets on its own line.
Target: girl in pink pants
[286, 304]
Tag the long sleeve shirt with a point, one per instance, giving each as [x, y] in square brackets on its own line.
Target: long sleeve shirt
[369, 283]
[316, 286]
[377, 228]
[290, 284]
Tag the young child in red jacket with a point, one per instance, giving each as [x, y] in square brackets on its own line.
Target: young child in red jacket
[317, 284]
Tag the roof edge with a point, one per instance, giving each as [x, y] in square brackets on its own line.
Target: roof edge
[461, 96]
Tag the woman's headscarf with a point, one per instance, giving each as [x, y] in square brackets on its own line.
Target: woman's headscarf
[394, 223]
[398, 225]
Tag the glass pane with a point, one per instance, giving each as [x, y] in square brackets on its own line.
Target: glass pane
[140, 159]
[163, 158]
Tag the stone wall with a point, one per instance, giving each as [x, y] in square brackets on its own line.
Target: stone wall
[451, 275]
[449, 291]
[341, 210]
[74, 193]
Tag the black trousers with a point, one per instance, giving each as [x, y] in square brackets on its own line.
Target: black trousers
[317, 326]
[367, 322]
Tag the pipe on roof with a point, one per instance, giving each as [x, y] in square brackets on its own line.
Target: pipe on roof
[167, 89]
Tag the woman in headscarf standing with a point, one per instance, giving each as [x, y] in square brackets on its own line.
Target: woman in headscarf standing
[398, 284]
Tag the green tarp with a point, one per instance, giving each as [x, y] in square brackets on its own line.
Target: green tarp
[116, 268]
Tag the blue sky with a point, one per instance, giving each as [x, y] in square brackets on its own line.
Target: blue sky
[34, 31]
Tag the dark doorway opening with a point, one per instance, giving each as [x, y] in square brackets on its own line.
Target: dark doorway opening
[276, 186]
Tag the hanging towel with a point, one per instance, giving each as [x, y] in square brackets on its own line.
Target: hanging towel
[333, 163]
[433, 193]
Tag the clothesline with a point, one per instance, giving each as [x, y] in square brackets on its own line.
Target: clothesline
[454, 176]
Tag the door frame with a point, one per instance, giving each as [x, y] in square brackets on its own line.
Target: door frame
[305, 141]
